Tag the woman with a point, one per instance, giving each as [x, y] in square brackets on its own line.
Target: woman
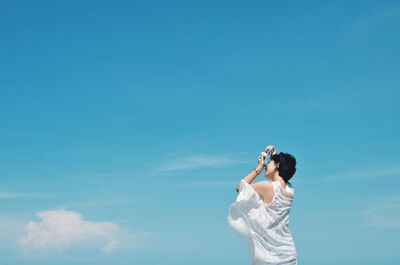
[261, 211]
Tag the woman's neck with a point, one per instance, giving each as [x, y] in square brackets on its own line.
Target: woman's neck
[280, 179]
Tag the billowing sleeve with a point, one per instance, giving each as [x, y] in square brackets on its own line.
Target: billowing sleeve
[238, 214]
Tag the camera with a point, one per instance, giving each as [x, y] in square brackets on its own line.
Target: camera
[267, 157]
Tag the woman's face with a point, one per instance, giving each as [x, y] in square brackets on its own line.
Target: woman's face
[270, 169]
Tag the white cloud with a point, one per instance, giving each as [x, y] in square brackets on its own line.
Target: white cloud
[383, 212]
[363, 174]
[61, 230]
[193, 161]
[110, 246]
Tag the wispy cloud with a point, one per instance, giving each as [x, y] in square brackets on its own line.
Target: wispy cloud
[61, 230]
[365, 174]
[12, 195]
[383, 212]
[362, 22]
[197, 161]
[200, 184]
[103, 203]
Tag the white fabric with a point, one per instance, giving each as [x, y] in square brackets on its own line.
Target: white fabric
[264, 226]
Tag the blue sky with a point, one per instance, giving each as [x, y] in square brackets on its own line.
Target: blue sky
[126, 126]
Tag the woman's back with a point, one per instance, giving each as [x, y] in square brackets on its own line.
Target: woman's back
[265, 225]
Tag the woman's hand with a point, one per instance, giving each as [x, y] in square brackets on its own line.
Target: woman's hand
[260, 165]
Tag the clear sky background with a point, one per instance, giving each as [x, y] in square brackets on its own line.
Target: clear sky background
[125, 127]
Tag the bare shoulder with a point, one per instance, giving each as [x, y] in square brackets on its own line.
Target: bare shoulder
[265, 189]
[262, 185]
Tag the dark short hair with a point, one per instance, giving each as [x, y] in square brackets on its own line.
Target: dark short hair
[287, 165]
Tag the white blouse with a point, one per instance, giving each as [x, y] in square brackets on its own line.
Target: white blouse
[265, 226]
